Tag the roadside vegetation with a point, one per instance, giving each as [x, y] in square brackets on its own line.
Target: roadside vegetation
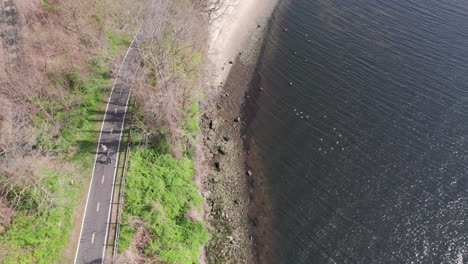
[162, 216]
[159, 194]
[50, 114]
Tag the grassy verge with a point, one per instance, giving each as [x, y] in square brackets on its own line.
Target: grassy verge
[159, 192]
[67, 129]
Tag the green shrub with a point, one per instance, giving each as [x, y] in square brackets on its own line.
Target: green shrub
[191, 120]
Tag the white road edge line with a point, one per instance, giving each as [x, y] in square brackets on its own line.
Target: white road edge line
[97, 150]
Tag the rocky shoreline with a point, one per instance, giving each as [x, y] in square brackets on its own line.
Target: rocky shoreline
[236, 201]
[227, 185]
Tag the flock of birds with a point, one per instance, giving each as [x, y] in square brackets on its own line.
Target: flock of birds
[326, 146]
[301, 114]
[334, 143]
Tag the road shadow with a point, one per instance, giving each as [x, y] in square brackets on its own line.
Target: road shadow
[96, 261]
[97, 112]
[103, 162]
[115, 131]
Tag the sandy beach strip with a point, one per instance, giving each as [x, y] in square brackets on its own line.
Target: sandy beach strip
[231, 27]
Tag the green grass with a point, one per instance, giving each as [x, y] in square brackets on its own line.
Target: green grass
[50, 7]
[159, 191]
[40, 229]
[117, 39]
[191, 119]
[151, 79]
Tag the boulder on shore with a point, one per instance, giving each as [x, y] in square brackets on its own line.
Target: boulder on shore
[217, 166]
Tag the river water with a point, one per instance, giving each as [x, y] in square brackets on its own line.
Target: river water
[362, 130]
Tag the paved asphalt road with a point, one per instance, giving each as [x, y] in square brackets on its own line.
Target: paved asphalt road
[91, 247]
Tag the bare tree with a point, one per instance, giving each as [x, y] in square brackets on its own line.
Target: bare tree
[214, 9]
[171, 35]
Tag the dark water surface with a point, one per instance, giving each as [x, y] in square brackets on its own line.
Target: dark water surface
[366, 153]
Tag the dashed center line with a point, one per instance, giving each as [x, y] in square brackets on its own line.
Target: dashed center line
[97, 208]
[92, 238]
[112, 130]
[102, 181]
[115, 111]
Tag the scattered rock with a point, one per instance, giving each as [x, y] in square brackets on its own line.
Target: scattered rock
[213, 124]
[215, 178]
[211, 134]
[249, 173]
[226, 138]
[260, 89]
[217, 166]
[230, 62]
[222, 150]
[258, 26]
[237, 119]
[72, 182]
